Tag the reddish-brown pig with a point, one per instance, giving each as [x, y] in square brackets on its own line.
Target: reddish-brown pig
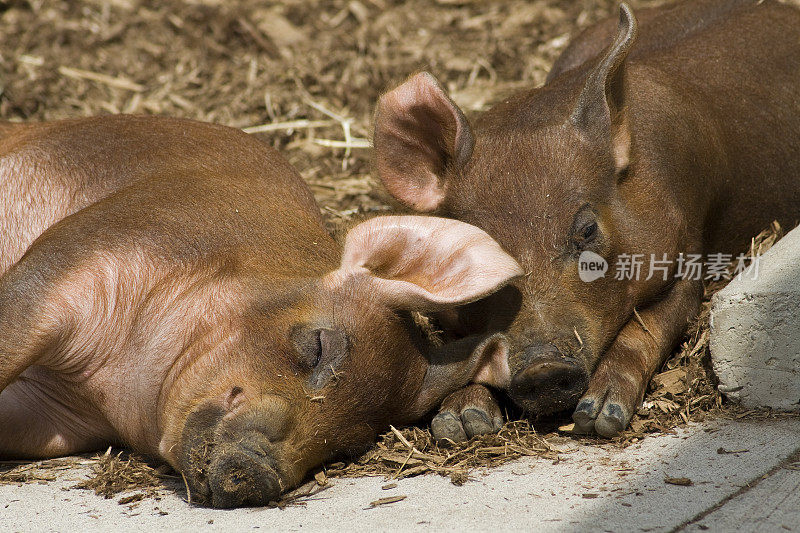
[168, 285]
[650, 144]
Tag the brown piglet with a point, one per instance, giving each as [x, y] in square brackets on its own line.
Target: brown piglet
[653, 144]
[169, 286]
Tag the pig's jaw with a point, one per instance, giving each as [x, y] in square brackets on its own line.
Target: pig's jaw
[228, 459]
[166, 449]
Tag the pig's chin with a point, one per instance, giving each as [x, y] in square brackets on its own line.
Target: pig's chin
[225, 470]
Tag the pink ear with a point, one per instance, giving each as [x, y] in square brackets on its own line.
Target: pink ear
[493, 367]
[419, 133]
[425, 263]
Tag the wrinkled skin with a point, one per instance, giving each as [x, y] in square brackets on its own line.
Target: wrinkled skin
[169, 286]
[676, 134]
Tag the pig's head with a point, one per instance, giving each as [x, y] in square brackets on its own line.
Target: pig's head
[554, 176]
[314, 367]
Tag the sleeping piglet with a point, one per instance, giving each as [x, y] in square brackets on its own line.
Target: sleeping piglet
[169, 286]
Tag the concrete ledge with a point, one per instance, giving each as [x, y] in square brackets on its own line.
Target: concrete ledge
[591, 488]
[755, 330]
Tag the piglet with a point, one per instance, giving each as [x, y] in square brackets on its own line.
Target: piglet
[169, 286]
[652, 149]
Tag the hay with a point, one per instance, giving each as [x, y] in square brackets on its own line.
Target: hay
[303, 75]
[113, 474]
[16, 472]
[412, 451]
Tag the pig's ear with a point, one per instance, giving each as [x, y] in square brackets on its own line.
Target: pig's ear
[600, 111]
[472, 359]
[419, 134]
[424, 263]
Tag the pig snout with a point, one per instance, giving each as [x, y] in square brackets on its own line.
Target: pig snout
[243, 473]
[227, 468]
[549, 381]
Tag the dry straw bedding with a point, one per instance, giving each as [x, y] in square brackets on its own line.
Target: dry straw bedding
[304, 75]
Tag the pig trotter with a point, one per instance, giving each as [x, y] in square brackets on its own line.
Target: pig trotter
[609, 423]
[618, 384]
[612, 398]
[585, 415]
[447, 426]
[466, 413]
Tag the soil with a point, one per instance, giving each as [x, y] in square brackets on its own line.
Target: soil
[304, 76]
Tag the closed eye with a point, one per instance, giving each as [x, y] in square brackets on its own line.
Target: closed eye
[316, 352]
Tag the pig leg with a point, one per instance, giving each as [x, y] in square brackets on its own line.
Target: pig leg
[39, 418]
[37, 318]
[29, 326]
[465, 413]
[618, 384]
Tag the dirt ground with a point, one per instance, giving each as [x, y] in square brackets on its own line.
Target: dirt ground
[310, 69]
[304, 75]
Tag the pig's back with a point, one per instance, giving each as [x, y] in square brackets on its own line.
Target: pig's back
[660, 28]
[731, 68]
[739, 80]
[152, 178]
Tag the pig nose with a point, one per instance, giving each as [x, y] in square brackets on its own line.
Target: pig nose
[242, 473]
[549, 381]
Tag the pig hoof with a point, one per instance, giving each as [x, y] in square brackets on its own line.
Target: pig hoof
[447, 427]
[476, 422]
[465, 413]
[239, 477]
[584, 416]
[609, 422]
[612, 421]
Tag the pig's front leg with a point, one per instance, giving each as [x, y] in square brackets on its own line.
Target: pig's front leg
[28, 328]
[40, 415]
[618, 384]
[465, 413]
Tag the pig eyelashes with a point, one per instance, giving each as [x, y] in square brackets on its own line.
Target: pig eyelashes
[585, 230]
[321, 351]
[316, 352]
[588, 233]
[309, 346]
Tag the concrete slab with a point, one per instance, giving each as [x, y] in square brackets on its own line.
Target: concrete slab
[755, 330]
[591, 488]
[770, 504]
